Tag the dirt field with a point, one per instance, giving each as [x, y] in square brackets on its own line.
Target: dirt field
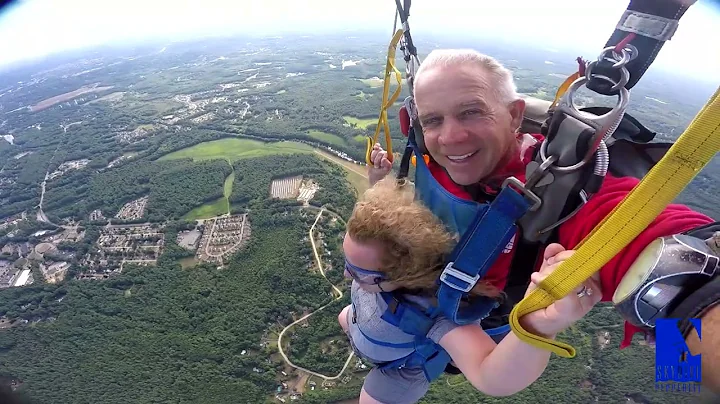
[298, 384]
[66, 97]
[286, 188]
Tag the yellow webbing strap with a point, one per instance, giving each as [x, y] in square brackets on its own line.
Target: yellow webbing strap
[690, 153]
[387, 103]
[564, 87]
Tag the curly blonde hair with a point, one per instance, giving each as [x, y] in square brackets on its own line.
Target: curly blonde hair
[414, 240]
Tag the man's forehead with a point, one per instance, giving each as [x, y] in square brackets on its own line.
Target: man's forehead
[452, 87]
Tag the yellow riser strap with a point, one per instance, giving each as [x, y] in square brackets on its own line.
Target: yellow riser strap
[386, 103]
[690, 153]
[563, 88]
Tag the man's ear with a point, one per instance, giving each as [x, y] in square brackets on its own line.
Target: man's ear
[517, 110]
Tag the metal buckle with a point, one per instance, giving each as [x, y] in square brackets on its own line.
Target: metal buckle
[449, 270]
[528, 193]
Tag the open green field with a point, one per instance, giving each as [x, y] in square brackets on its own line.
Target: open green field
[217, 208]
[227, 187]
[327, 137]
[361, 123]
[355, 174]
[360, 138]
[232, 149]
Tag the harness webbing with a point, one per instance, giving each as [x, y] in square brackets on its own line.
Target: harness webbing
[488, 234]
[387, 102]
[653, 22]
[690, 153]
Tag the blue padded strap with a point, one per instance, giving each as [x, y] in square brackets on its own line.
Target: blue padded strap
[491, 230]
[405, 316]
[432, 358]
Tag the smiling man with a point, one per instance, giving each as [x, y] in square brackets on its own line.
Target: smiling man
[471, 115]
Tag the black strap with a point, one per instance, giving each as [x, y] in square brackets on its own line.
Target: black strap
[706, 297]
[704, 232]
[403, 10]
[407, 155]
[523, 265]
[697, 304]
[648, 48]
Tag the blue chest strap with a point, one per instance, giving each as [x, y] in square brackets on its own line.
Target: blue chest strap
[490, 231]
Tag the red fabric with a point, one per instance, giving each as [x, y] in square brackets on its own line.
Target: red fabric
[404, 118]
[674, 219]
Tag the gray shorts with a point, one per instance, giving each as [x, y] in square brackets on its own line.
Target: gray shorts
[396, 386]
[400, 386]
[392, 386]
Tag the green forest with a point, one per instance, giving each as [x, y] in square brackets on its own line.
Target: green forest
[155, 335]
[165, 334]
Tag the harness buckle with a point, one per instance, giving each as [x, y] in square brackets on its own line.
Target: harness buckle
[524, 191]
[462, 276]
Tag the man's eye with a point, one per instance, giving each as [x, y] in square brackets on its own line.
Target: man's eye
[471, 112]
[430, 121]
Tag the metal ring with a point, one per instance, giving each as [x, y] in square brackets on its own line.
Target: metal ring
[567, 106]
[543, 155]
[540, 171]
[631, 50]
[610, 50]
[624, 76]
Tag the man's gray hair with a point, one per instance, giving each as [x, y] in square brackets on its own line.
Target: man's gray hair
[506, 91]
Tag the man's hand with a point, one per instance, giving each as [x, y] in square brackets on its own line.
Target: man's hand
[381, 165]
[566, 311]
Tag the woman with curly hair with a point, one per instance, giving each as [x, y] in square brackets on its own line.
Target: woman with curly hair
[394, 244]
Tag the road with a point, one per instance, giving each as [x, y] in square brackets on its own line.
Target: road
[336, 291]
[41, 217]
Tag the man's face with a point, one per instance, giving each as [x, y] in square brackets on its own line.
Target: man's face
[467, 129]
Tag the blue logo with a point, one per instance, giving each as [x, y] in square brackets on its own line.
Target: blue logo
[676, 369]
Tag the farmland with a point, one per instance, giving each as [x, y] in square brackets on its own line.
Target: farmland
[47, 103]
[327, 137]
[361, 123]
[232, 149]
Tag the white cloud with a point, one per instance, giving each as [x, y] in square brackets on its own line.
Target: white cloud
[37, 27]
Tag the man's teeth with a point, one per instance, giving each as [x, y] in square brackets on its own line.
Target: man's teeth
[464, 156]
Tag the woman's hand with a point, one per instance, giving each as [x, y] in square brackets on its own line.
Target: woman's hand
[381, 165]
[568, 310]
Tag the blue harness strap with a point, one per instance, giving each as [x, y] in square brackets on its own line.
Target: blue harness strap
[483, 238]
[491, 230]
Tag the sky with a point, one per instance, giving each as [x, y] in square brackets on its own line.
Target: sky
[34, 28]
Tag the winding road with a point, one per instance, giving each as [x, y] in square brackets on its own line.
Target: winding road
[41, 216]
[338, 295]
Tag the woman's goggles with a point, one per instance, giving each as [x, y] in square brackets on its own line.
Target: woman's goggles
[364, 276]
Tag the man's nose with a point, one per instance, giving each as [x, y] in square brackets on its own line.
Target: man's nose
[452, 132]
